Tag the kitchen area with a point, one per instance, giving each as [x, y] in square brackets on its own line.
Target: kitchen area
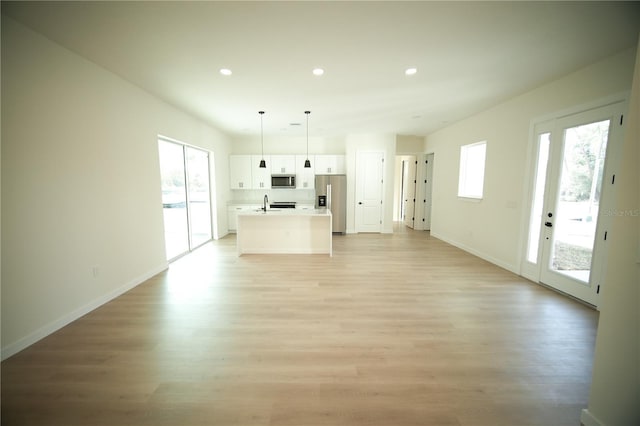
[287, 203]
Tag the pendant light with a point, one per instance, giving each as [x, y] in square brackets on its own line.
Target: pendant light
[263, 164]
[307, 163]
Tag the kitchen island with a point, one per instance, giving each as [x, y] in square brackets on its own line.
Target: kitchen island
[287, 231]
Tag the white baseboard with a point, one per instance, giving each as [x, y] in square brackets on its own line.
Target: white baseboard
[56, 325]
[588, 419]
[488, 258]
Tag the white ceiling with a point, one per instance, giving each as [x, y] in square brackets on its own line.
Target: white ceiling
[469, 55]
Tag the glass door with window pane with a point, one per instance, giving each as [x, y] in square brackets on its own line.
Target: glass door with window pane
[537, 203]
[565, 225]
[575, 214]
[186, 200]
[174, 199]
[199, 199]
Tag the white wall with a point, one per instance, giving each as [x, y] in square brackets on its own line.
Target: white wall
[492, 227]
[407, 144]
[615, 388]
[81, 184]
[288, 144]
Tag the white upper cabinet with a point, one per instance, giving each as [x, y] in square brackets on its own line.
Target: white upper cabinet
[330, 165]
[240, 172]
[283, 164]
[245, 171]
[305, 177]
[261, 177]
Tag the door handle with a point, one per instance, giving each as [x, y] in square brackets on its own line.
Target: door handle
[548, 224]
[360, 202]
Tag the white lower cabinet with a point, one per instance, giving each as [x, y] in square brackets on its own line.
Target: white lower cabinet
[232, 214]
[305, 207]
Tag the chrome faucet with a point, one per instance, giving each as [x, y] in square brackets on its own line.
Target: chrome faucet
[266, 200]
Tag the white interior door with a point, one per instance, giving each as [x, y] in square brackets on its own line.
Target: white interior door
[369, 190]
[428, 192]
[571, 242]
[409, 191]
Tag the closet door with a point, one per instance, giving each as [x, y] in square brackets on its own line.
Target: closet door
[409, 191]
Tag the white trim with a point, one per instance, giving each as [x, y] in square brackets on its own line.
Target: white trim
[56, 325]
[530, 271]
[584, 107]
[488, 258]
[588, 419]
[470, 198]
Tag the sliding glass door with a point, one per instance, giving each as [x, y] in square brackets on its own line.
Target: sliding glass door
[186, 199]
[199, 207]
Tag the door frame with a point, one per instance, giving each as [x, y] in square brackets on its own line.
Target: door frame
[429, 161]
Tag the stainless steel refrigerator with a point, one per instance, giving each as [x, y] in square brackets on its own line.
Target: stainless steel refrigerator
[331, 192]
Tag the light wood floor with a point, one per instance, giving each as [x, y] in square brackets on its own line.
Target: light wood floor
[394, 330]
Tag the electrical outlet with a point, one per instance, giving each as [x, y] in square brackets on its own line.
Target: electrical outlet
[96, 271]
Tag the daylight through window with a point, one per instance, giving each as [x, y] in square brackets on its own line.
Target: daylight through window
[472, 160]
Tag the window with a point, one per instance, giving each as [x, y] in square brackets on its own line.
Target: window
[472, 159]
[535, 221]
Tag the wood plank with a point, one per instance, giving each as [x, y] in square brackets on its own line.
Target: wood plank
[398, 329]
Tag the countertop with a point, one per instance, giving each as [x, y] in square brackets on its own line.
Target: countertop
[287, 212]
[260, 202]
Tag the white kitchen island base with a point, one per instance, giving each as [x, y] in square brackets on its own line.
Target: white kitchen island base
[285, 231]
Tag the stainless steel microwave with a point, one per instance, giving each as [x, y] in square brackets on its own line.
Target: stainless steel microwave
[283, 181]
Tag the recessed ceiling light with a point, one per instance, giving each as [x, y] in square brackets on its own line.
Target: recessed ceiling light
[411, 71]
[318, 71]
[225, 71]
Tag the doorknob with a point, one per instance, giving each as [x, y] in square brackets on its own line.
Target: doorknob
[360, 202]
[548, 224]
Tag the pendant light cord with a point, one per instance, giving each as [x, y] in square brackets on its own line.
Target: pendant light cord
[307, 163]
[261, 134]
